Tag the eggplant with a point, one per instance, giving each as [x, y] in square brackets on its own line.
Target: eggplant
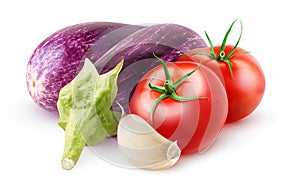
[59, 58]
[56, 61]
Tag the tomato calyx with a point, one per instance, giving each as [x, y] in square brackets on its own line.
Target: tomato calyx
[168, 90]
[222, 56]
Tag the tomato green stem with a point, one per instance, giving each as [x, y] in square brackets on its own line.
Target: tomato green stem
[229, 55]
[155, 88]
[177, 83]
[222, 56]
[184, 99]
[225, 42]
[167, 74]
[160, 98]
[169, 89]
[211, 46]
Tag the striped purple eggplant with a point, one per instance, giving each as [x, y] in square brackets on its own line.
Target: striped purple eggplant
[58, 59]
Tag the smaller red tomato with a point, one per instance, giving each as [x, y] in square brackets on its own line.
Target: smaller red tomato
[239, 71]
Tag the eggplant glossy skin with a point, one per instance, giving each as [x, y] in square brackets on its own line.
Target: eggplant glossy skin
[58, 59]
[168, 41]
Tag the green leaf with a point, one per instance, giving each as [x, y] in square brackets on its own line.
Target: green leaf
[84, 107]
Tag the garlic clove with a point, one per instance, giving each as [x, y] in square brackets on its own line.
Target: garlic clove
[143, 146]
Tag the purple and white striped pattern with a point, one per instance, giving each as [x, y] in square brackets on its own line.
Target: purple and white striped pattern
[58, 59]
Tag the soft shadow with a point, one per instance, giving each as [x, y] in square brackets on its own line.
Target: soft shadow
[29, 110]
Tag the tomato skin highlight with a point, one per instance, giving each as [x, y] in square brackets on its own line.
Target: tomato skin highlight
[245, 88]
[193, 124]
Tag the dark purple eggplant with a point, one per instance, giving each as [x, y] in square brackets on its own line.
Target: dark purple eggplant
[58, 59]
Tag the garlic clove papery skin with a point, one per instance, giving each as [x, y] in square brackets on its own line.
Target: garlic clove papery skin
[143, 146]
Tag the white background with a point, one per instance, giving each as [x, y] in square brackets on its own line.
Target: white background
[261, 151]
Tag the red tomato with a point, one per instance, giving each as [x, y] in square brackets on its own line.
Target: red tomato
[244, 87]
[194, 124]
[240, 73]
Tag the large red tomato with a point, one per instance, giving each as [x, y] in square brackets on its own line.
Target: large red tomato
[240, 72]
[191, 110]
